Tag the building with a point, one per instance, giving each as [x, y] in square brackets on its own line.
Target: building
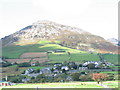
[4, 83]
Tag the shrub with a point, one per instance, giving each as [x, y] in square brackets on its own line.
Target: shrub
[25, 64]
[117, 77]
[110, 77]
[75, 76]
[85, 78]
[91, 66]
[5, 64]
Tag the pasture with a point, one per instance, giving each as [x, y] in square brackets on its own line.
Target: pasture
[15, 52]
[109, 84]
[76, 57]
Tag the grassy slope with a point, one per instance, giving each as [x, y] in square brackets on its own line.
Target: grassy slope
[43, 46]
[113, 58]
[78, 57]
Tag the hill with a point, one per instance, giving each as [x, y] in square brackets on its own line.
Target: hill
[14, 53]
[46, 36]
[114, 41]
[65, 36]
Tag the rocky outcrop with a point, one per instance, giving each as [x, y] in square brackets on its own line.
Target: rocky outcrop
[68, 36]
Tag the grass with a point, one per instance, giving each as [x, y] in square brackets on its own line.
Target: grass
[49, 47]
[113, 58]
[76, 57]
[110, 84]
[16, 51]
[111, 72]
[44, 42]
[58, 85]
[36, 67]
[44, 46]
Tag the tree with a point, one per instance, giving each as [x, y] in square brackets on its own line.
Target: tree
[25, 64]
[91, 66]
[99, 77]
[15, 79]
[37, 63]
[85, 78]
[75, 76]
[5, 64]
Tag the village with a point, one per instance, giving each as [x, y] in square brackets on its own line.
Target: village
[66, 71]
[59, 72]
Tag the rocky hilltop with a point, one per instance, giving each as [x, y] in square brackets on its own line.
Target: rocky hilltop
[114, 41]
[68, 36]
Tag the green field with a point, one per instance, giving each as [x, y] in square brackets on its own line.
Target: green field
[113, 58]
[111, 72]
[76, 57]
[44, 46]
[109, 84]
[112, 84]
[57, 85]
[16, 51]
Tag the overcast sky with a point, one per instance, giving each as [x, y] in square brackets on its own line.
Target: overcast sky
[99, 17]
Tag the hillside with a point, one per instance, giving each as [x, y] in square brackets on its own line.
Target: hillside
[67, 36]
[114, 41]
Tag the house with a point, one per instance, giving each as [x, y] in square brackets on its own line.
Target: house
[33, 64]
[83, 68]
[28, 71]
[56, 71]
[33, 74]
[49, 51]
[57, 51]
[55, 67]
[73, 71]
[5, 83]
[83, 73]
[65, 68]
[93, 62]
[58, 64]
[25, 80]
[46, 71]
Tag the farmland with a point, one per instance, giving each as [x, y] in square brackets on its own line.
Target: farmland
[77, 57]
[16, 52]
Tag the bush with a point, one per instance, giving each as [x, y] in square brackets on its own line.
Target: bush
[59, 79]
[23, 72]
[5, 64]
[117, 77]
[15, 79]
[91, 66]
[110, 77]
[25, 64]
[85, 78]
[75, 76]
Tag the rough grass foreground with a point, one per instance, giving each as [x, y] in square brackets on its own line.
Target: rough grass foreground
[66, 85]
